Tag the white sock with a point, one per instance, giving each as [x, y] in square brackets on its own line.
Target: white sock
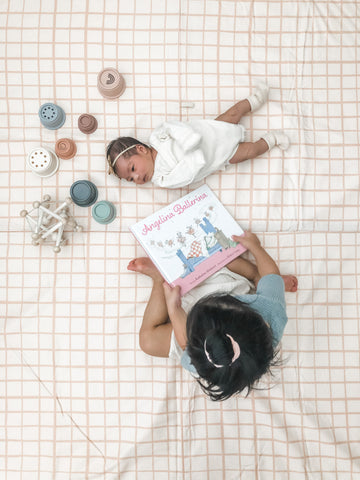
[259, 97]
[277, 138]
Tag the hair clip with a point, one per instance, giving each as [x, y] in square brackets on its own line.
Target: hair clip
[208, 357]
[236, 349]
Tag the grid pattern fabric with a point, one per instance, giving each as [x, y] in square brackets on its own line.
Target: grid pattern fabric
[78, 398]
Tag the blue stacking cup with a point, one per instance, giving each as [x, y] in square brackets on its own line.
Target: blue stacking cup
[83, 193]
[52, 116]
[104, 212]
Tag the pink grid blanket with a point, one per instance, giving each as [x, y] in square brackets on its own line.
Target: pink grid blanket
[79, 399]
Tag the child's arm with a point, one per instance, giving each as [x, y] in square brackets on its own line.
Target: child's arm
[176, 313]
[265, 264]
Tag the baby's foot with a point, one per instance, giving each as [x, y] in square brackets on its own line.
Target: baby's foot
[277, 138]
[290, 282]
[259, 97]
[145, 266]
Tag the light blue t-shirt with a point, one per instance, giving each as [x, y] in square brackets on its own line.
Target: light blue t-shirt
[269, 302]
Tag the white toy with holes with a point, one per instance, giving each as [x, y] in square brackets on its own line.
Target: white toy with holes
[48, 222]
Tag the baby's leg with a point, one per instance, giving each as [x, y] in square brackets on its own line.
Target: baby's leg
[248, 150]
[234, 114]
[155, 331]
[250, 104]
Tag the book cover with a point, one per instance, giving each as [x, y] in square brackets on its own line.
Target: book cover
[190, 239]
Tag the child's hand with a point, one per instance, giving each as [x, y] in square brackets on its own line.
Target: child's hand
[249, 240]
[265, 264]
[172, 297]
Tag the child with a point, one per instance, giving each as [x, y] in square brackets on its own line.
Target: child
[229, 338]
[181, 153]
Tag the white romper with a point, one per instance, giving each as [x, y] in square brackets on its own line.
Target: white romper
[189, 152]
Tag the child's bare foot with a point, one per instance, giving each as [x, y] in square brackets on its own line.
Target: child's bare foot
[290, 282]
[145, 266]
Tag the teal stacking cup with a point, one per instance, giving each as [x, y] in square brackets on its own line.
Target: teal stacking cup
[83, 193]
[104, 212]
[52, 116]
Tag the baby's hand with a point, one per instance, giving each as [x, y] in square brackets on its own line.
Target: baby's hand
[249, 240]
[172, 297]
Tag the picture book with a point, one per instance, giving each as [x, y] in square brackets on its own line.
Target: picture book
[190, 239]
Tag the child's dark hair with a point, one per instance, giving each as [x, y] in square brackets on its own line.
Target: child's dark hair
[119, 145]
[214, 325]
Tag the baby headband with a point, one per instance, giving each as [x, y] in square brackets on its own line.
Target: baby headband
[236, 348]
[122, 153]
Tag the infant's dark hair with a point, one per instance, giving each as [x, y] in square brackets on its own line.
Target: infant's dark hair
[119, 145]
[212, 319]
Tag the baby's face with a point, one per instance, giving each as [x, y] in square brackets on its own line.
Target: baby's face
[138, 168]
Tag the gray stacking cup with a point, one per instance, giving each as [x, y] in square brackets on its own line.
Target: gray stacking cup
[104, 212]
[83, 193]
[52, 116]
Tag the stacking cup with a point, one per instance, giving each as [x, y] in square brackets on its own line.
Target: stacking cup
[51, 116]
[104, 212]
[110, 83]
[83, 193]
[87, 123]
[43, 161]
[65, 148]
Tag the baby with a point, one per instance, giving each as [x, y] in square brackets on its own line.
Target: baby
[180, 153]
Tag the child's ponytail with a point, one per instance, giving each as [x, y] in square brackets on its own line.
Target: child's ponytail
[229, 344]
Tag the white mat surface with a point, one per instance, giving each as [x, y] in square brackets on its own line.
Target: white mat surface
[78, 397]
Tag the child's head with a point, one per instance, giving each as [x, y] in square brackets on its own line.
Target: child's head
[130, 159]
[229, 344]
